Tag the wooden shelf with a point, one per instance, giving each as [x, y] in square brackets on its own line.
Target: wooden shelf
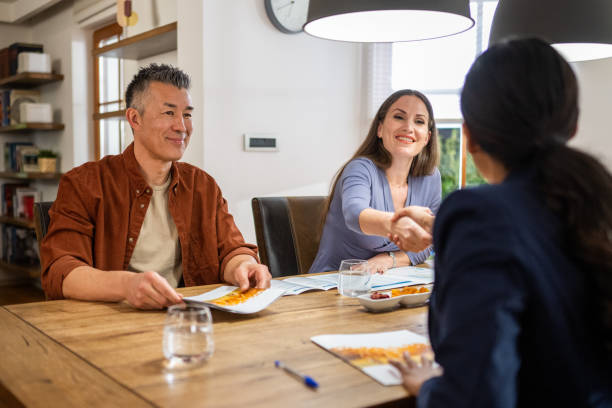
[31, 176]
[32, 271]
[153, 42]
[32, 126]
[29, 80]
[120, 114]
[20, 222]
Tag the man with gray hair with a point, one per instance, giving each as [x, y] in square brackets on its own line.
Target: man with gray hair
[137, 225]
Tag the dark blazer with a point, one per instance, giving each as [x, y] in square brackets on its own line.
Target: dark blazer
[512, 318]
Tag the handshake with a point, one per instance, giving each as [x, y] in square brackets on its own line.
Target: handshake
[411, 228]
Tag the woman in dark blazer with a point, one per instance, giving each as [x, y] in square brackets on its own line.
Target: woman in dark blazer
[521, 309]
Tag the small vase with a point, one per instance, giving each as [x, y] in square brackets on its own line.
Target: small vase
[47, 164]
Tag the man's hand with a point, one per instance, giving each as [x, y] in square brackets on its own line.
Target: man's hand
[148, 290]
[411, 228]
[413, 374]
[243, 271]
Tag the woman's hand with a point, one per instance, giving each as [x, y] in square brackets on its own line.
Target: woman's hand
[380, 263]
[411, 228]
[413, 374]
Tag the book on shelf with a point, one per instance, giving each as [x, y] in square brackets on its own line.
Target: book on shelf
[8, 197]
[27, 158]
[19, 246]
[10, 155]
[11, 100]
[5, 98]
[4, 63]
[23, 203]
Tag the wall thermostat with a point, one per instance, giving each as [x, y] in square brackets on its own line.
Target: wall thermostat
[260, 142]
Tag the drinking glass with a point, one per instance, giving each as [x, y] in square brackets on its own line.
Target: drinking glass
[188, 335]
[354, 278]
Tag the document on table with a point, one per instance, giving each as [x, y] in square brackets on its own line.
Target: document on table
[371, 352]
[393, 278]
[232, 299]
[403, 276]
[301, 284]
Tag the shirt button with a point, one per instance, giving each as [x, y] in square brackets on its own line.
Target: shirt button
[131, 239]
[137, 191]
[141, 205]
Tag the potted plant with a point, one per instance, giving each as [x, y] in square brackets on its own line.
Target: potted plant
[47, 161]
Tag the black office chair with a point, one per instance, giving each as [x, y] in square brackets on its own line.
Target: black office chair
[288, 232]
[41, 219]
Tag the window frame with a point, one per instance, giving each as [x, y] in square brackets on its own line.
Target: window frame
[111, 31]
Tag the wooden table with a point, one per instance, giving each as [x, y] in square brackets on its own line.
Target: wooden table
[72, 353]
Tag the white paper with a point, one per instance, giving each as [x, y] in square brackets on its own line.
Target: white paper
[251, 305]
[301, 284]
[393, 278]
[417, 274]
[385, 374]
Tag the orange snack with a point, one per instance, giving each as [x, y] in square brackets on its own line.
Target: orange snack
[365, 356]
[235, 297]
[408, 290]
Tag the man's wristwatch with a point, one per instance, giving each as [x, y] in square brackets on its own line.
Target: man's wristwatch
[392, 255]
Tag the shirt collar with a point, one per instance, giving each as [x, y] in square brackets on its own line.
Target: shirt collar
[136, 179]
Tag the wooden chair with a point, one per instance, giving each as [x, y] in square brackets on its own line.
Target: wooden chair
[41, 219]
[288, 232]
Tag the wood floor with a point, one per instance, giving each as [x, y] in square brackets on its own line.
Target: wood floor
[10, 295]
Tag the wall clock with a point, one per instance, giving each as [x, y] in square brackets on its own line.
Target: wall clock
[289, 16]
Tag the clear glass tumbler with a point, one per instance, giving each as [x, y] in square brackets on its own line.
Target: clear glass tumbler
[188, 335]
[354, 277]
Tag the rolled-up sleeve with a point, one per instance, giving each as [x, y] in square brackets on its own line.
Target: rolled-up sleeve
[356, 185]
[68, 242]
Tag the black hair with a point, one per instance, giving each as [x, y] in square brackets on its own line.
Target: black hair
[520, 105]
[163, 73]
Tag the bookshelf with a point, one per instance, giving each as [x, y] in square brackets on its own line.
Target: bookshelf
[29, 80]
[153, 42]
[30, 176]
[19, 222]
[30, 127]
[31, 271]
[19, 255]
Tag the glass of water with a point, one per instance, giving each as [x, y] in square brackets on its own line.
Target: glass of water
[188, 336]
[354, 278]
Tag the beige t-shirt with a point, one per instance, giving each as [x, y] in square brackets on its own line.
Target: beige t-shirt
[158, 248]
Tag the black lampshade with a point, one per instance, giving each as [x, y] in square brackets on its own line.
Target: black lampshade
[578, 29]
[387, 20]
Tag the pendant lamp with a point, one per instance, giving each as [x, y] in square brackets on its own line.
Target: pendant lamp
[387, 20]
[579, 30]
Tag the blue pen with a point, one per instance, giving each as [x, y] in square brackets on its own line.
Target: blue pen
[306, 379]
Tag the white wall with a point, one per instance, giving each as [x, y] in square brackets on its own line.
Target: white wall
[306, 91]
[595, 126]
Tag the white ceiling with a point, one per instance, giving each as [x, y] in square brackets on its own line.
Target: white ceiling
[17, 11]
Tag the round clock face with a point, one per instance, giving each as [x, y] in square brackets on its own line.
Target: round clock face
[289, 16]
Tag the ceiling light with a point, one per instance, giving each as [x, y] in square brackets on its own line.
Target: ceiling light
[579, 30]
[387, 20]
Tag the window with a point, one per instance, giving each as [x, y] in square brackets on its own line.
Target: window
[437, 68]
[109, 107]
